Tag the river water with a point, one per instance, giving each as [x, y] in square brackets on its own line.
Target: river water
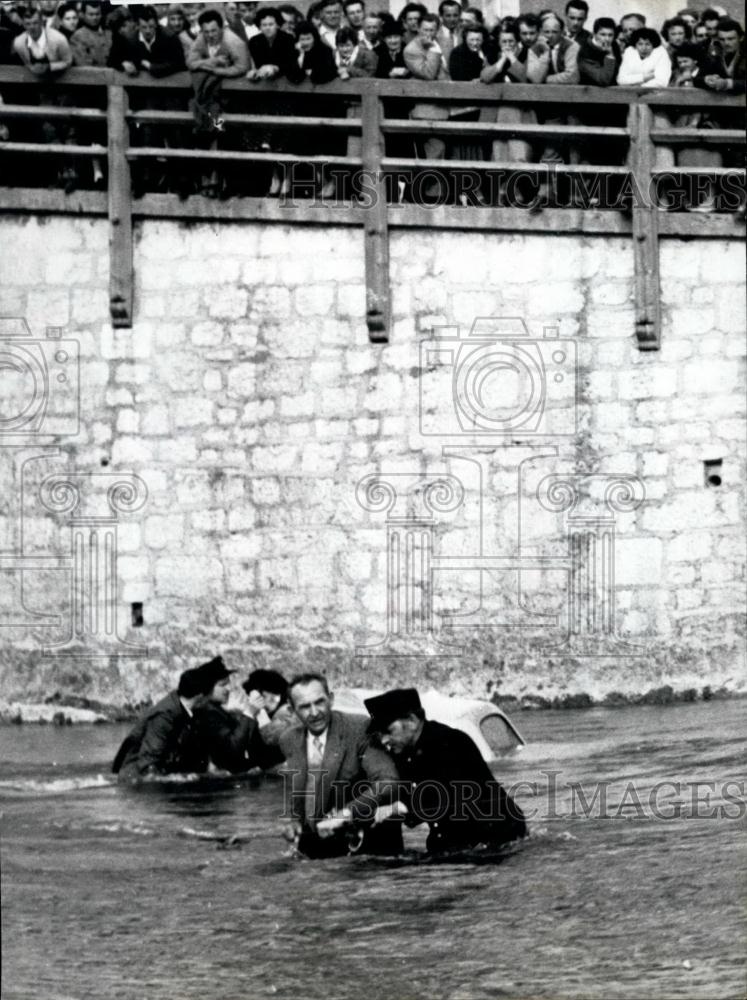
[638, 892]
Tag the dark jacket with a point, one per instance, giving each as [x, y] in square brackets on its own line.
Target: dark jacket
[386, 64]
[595, 66]
[318, 65]
[282, 53]
[450, 787]
[165, 741]
[231, 740]
[166, 55]
[464, 64]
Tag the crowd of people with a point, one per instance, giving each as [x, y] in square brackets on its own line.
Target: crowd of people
[350, 782]
[342, 39]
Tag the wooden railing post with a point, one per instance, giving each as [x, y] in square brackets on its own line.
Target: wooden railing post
[645, 229]
[120, 209]
[376, 225]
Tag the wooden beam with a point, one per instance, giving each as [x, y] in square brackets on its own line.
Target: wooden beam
[197, 208]
[376, 225]
[120, 211]
[645, 231]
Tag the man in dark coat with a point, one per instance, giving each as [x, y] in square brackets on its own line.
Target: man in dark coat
[334, 778]
[167, 739]
[444, 780]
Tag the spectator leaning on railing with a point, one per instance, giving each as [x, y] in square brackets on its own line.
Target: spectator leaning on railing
[46, 54]
[425, 61]
[352, 59]
[645, 61]
[726, 71]
[390, 53]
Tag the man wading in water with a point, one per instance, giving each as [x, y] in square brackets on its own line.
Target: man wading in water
[444, 780]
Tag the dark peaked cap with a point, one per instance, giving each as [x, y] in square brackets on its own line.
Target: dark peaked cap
[202, 679]
[396, 704]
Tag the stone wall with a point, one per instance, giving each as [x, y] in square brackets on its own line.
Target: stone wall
[250, 403]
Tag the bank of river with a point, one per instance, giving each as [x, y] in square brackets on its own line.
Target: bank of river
[627, 887]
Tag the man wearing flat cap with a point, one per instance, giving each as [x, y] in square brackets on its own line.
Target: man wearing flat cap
[171, 738]
[334, 778]
[445, 781]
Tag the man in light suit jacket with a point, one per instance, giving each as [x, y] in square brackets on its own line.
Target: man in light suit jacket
[425, 61]
[334, 778]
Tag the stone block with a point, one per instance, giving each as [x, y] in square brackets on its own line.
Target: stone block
[207, 334]
[242, 380]
[612, 417]
[706, 376]
[192, 577]
[228, 302]
[275, 459]
[638, 562]
[648, 383]
[102, 432]
[655, 463]
[689, 546]
[192, 411]
[128, 422]
[164, 532]
[131, 451]
[131, 568]
[322, 458]
[351, 301]
[724, 262]
[314, 300]
[155, 420]
[608, 293]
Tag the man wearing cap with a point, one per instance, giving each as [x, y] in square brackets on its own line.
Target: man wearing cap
[334, 778]
[446, 782]
[167, 739]
[231, 740]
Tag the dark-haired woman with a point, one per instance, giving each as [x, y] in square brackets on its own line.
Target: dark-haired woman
[267, 691]
[645, 61]
[315, 59]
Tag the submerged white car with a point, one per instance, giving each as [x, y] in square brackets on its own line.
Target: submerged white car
[490, 728]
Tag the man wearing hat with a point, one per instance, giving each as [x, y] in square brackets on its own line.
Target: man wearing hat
[445, 781]
[168, 739]
[231, 740]
[334, 778]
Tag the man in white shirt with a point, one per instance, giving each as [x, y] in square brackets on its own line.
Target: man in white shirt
[449, 35]
[334, 777]
[330, 22]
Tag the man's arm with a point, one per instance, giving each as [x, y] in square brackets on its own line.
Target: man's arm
[423, 65]
[590, 70]
[196, 54]
[365, 64]
[570, 73]
[154, 748]
[61, 58]
[170, 58]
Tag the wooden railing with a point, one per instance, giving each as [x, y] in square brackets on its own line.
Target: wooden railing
[356, 109]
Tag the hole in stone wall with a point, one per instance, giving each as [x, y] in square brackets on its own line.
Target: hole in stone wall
[712, 472]
[105, 461]
[136, 613]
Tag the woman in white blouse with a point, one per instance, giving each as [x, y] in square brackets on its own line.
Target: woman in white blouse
[645, 61]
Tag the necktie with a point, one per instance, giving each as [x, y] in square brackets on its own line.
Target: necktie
[313, 780]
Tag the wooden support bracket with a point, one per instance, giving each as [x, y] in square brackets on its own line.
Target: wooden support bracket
[120, 210]
[376, 224]
[645, 230]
